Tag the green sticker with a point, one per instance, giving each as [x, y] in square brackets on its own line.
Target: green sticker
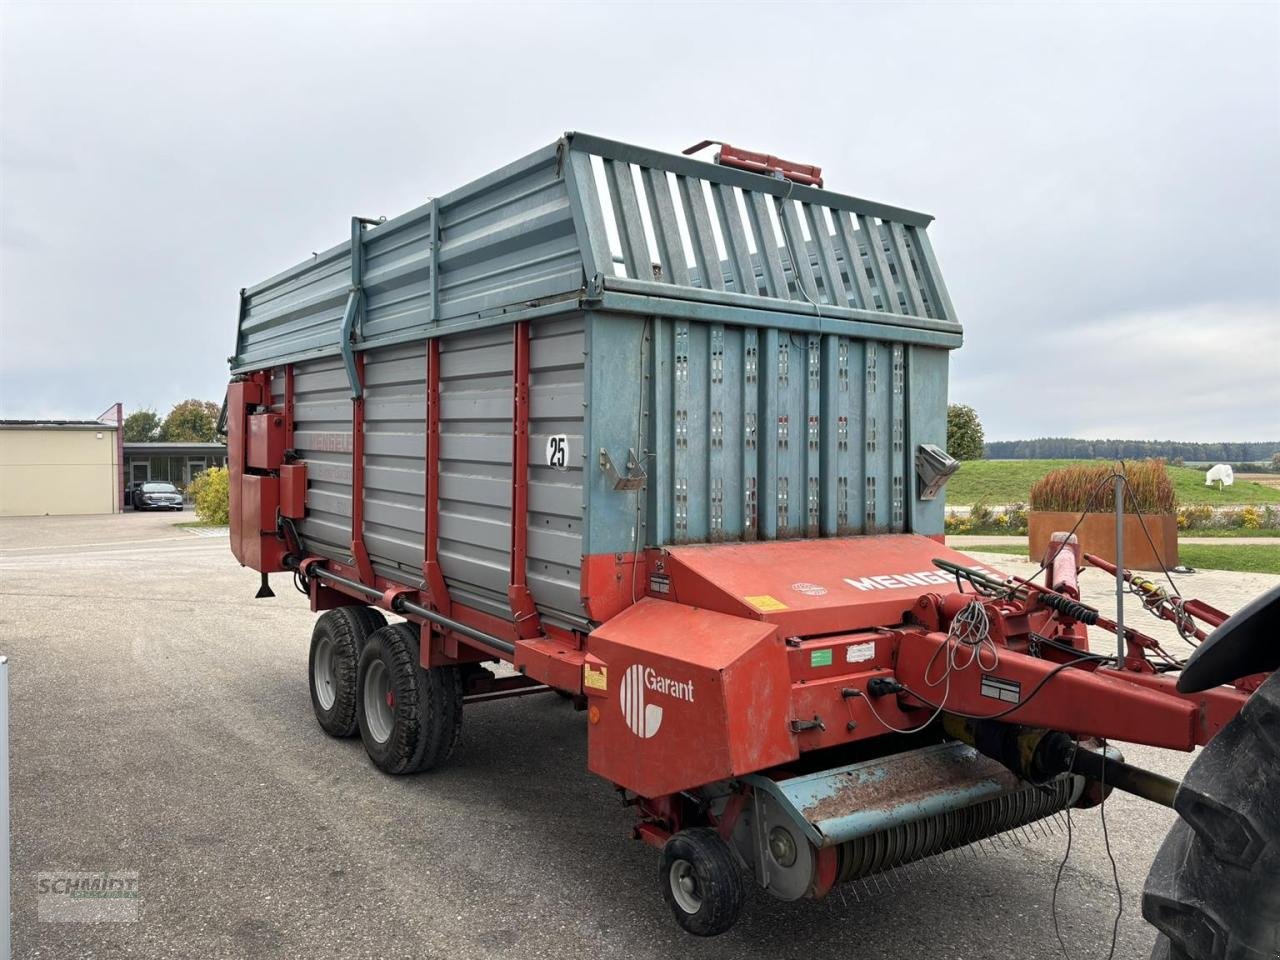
[820, 658]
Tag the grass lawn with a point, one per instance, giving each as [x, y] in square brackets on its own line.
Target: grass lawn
[1246, 558]
[1233, 532]
[198, 523]
[1009, 481]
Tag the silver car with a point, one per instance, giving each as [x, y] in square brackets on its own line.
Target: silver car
[156, 495]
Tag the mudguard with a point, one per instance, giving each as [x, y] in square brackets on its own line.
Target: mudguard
[1248, 642]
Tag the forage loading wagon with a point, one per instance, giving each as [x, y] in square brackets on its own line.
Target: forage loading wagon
[666, 436]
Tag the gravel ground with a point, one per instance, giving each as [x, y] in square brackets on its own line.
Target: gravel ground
[161, 723]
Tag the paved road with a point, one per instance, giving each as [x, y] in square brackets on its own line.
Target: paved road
[161, 723]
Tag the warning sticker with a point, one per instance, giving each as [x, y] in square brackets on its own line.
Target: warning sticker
[860, 652]
[595, 679]
[820, 658]
[766, 603]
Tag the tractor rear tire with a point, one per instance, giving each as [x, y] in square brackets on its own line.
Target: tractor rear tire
[1214, 888]
[701, 882]
[409, 718]
[336, 642]
[1164, 950]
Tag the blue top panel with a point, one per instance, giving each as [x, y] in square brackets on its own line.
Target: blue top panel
[587, 220]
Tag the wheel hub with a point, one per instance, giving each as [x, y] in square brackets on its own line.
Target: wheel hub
[324, 675]
[684, 886]
[782, 847]
[379, 702]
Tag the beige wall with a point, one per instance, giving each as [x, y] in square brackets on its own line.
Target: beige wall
[58, 470]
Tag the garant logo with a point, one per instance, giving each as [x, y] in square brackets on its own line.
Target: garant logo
[644, 718]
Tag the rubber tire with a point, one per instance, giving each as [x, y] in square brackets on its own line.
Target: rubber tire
[718, 876]
[1214, 888]
[349, 628]
[427, 715]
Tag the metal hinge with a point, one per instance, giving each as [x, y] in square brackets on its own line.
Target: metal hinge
[635, 476]
[799, 726]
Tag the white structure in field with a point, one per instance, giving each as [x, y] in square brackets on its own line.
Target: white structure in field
[1222, 473]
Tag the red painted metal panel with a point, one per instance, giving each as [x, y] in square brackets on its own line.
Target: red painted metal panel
[293, 490]
[684, 697]
[431, 572]
[240, 395]
[1093, 703]
[810, 587]
[260, 496]
[266, 441]
[358, 552]
[120, 457]
[288, 406]
[1215, 708]
[611, 582]
[523, 609]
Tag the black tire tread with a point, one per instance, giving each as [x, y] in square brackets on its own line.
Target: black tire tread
[350, 628]
[428, 720]
[719, 879]
[1214, 888]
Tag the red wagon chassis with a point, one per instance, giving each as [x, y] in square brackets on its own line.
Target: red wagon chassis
[739, 661]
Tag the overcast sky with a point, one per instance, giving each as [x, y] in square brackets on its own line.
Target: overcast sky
[1106, 179]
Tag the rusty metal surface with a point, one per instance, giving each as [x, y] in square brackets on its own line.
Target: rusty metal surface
[863, 799]
[905, 781]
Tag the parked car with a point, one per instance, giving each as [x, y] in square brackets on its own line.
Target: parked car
[131, 490]
[156, 495]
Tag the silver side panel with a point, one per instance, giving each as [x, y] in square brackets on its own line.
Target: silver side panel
[508, 238]
[322, 438]
[475, 467]
[556, 521]
[395, 411]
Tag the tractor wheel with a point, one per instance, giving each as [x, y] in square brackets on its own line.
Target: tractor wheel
[336, 642]
[701, 882]
[1214, 888]
[409, 718]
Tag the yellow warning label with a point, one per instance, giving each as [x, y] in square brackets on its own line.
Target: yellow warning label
[595, 679]
[766, 603]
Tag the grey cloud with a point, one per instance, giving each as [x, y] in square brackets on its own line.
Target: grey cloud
[1087, 164]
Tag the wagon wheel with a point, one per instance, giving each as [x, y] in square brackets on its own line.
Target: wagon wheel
[336, 642]
[410, 718]
[701, 882]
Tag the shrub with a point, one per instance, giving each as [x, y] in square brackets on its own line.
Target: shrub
[980, 514]
[211, 492]
[1017, 514]
[1250, 518]
[1089, 487]
[1195, 517]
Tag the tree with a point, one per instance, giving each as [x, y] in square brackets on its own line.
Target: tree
[141, 426]
[1275, 462]
[964, 432]
[191, 421]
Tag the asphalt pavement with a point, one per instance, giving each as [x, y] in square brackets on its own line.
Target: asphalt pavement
[161, 724]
